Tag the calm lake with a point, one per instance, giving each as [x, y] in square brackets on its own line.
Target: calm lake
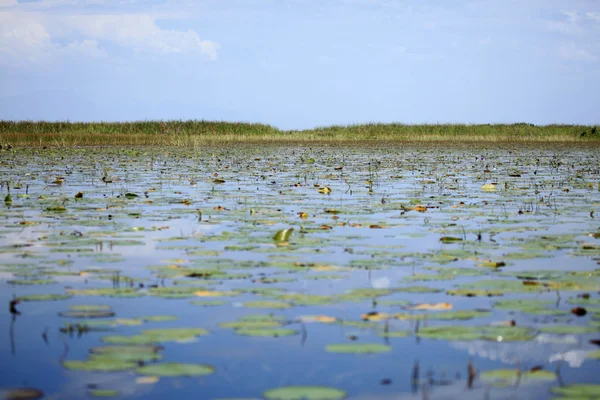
[325, 272]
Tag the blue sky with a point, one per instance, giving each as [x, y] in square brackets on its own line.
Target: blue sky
[298, 64]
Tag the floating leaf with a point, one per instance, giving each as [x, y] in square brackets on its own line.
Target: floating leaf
[86, 314]
[577, 391]
[176, 369]
[358, 348]
[304, 393]
[267, 304]
[103, 393]
[450, 239]
[265, 332]
[494, 333]
[324, 190]
[510, 377]
[425, 306]
[45, 297]
[283, 235]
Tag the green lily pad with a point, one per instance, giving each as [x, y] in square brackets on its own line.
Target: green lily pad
[27, 282]
[176, 369]
[45, 297]
[593, 354]
[87, 314]
[394, 334]
[509, 377]
[89, 307]
[157, 336]
[208, 303]
[158, 318]
[568, 329]
[283, 235]
[265, 332]
[103, 393]
[578, 391]
[304, 393]
[358, 348]
[495, 333]
[267, 304]
[250, 324]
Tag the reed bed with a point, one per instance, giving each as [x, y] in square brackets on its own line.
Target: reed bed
[197, 133]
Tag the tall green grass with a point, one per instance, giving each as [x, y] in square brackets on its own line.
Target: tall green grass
[195, 133]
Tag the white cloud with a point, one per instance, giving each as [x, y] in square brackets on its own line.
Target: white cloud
[140, 33]
[570, 51]
[86, 47]
[29, 34]
[6, 3]
[568, 26]
[593, 16]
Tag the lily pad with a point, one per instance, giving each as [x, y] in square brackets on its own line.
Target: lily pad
[264, 332]
[304, 393]
[509, 377]
[45, 297]
[568, 329]
[578, 391]
[103, 393]
[176, 369]
[358, 348]
[86, 314]
[267, 304]
[494, 333]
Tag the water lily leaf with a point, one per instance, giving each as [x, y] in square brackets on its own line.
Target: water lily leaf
[45, 297]
[568, 329]
[208, 303]
[158, 318]
[450, 239]
[176, 369]
[86, 314]
[304, 393]
[358, 348]
[509, 377]
[283, 235]
[489, 187]
[27, 282]
[494, 333]
[250, 324]
[265, 332]
[151, 336]
[394, 334]
[103, 393]
[577, 391]
[425, 306]
[267, 304]
[317, 318]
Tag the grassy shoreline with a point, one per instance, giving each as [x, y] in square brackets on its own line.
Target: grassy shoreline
[198, 133]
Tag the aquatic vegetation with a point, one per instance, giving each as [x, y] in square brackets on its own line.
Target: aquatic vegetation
[284, 266]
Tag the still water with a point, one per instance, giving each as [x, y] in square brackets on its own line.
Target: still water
[407, 272]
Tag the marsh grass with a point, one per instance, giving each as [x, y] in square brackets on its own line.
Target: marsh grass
[198, 133]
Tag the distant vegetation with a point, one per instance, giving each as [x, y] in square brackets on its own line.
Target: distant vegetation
[186, 133]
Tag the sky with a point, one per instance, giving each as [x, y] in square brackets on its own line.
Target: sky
[299, 64]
